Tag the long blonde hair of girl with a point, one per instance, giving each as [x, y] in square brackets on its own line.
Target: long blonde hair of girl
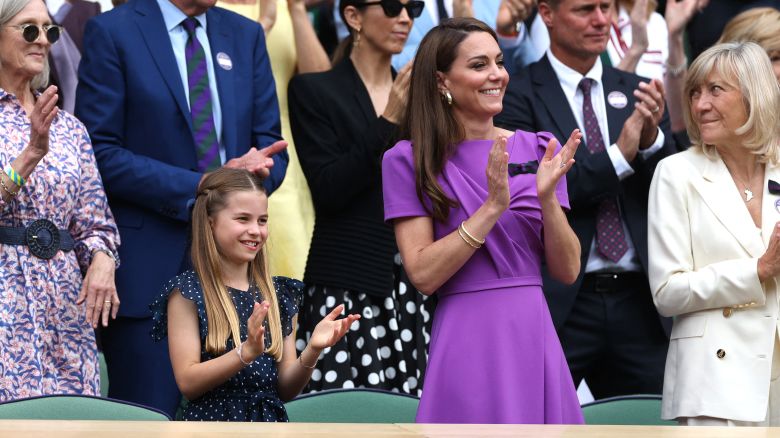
[221, 312]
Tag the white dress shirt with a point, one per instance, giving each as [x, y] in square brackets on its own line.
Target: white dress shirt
[569, 80]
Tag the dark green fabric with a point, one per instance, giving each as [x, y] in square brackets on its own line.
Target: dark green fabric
[628, 410]
[605, 61]
[353, 406]
[74, 407]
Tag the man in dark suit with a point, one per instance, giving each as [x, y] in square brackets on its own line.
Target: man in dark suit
[608, 326]
[169, 90]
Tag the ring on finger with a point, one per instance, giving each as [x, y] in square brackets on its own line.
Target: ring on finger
[656, 109]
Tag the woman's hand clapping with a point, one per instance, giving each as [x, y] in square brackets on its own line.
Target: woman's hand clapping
[44, 112]
[396, 103]
[553, 167]
[498, 176]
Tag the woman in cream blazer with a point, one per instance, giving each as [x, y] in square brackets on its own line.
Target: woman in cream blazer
[714, 244]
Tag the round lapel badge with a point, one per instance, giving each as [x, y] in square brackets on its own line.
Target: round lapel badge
[224, 61]
[777, 205]
[617, 100]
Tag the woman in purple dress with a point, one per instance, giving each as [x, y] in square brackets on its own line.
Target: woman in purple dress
[479, 242]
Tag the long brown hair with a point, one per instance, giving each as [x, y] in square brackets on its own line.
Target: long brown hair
[213, 194]
[428, 121]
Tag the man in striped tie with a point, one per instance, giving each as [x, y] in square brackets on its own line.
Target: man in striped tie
[169, 90]
[609, 328]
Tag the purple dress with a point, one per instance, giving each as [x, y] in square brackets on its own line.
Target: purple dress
[494, 354]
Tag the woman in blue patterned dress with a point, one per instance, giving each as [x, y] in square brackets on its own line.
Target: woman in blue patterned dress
[230, 327]
[57, 236]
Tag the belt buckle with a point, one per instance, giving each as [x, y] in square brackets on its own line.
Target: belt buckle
[605, 282]
[43, 238]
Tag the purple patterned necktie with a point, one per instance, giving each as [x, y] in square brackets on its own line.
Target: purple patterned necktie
[610, 238]
[203, 129]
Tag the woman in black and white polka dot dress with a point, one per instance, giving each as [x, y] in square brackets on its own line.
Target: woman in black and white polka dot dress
[229, 325]
[340, 137]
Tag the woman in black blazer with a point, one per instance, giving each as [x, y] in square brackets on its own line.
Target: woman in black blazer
[342, 122]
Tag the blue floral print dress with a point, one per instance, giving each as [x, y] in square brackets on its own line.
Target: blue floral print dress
[46, 344]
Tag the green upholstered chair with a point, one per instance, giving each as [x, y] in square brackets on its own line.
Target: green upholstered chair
[626, 410]
[103, 375]
[353, 406]
[77, 407]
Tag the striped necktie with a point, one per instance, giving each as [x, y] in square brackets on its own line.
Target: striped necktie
[203, 129]
[610, 237]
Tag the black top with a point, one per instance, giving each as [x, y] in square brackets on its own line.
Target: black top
[340, 142]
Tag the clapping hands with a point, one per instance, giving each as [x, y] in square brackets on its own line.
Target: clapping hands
[328, 331]
[553, 166]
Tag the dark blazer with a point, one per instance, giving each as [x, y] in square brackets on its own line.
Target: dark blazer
[78, 15]
[534, 101]
[340, 142]
[131, 99]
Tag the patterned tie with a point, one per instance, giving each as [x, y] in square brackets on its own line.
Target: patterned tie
[203, 128]
[610, 238]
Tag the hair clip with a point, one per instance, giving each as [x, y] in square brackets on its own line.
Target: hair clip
[521, 168]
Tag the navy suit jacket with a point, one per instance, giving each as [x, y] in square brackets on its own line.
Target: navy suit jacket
[131, 98]
[534, 101]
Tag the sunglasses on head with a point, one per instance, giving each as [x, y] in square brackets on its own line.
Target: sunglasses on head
[31, 32]
[393, 8]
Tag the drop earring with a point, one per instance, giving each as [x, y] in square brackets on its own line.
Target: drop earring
[448, 97]
[356, 42]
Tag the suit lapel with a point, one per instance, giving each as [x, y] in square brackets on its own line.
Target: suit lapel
[221, 43]
[718, 191]
[548, 91]
[614, 83]
[150, 24]
[361, 96]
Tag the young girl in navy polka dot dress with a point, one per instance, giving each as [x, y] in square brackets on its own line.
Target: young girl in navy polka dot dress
[230, 327]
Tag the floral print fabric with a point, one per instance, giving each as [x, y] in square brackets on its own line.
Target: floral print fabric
[46, 344]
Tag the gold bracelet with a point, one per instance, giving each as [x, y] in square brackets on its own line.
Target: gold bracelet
[469, 235]
[466, 239]
[306, 366]
[6, 189]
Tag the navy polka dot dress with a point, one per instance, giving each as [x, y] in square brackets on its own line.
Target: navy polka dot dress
[252, 394]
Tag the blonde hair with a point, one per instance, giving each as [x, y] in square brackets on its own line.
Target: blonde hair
[8, 10]
[221, 312]
[745, 66]
[760, 25]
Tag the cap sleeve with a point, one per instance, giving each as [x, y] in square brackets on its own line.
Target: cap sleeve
[398, 183]
[188, 285]
[561, 191]
[289, 293]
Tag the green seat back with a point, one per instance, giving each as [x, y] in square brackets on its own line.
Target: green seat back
[353, 406]
[103, 375]
[76, 407]
[626, 410]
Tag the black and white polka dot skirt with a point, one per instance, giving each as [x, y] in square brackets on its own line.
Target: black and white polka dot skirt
[386, 349]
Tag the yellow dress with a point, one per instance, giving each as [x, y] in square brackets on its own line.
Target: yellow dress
[290, 209]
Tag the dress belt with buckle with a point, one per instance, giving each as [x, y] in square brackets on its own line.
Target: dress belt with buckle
[42, 237]
[612, 282]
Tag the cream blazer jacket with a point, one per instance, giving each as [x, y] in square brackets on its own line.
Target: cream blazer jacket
[703, 253]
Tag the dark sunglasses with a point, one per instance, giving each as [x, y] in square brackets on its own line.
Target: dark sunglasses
[393, 8]
[31, 32]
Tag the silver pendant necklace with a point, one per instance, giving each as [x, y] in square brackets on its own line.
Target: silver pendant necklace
[748, 194]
